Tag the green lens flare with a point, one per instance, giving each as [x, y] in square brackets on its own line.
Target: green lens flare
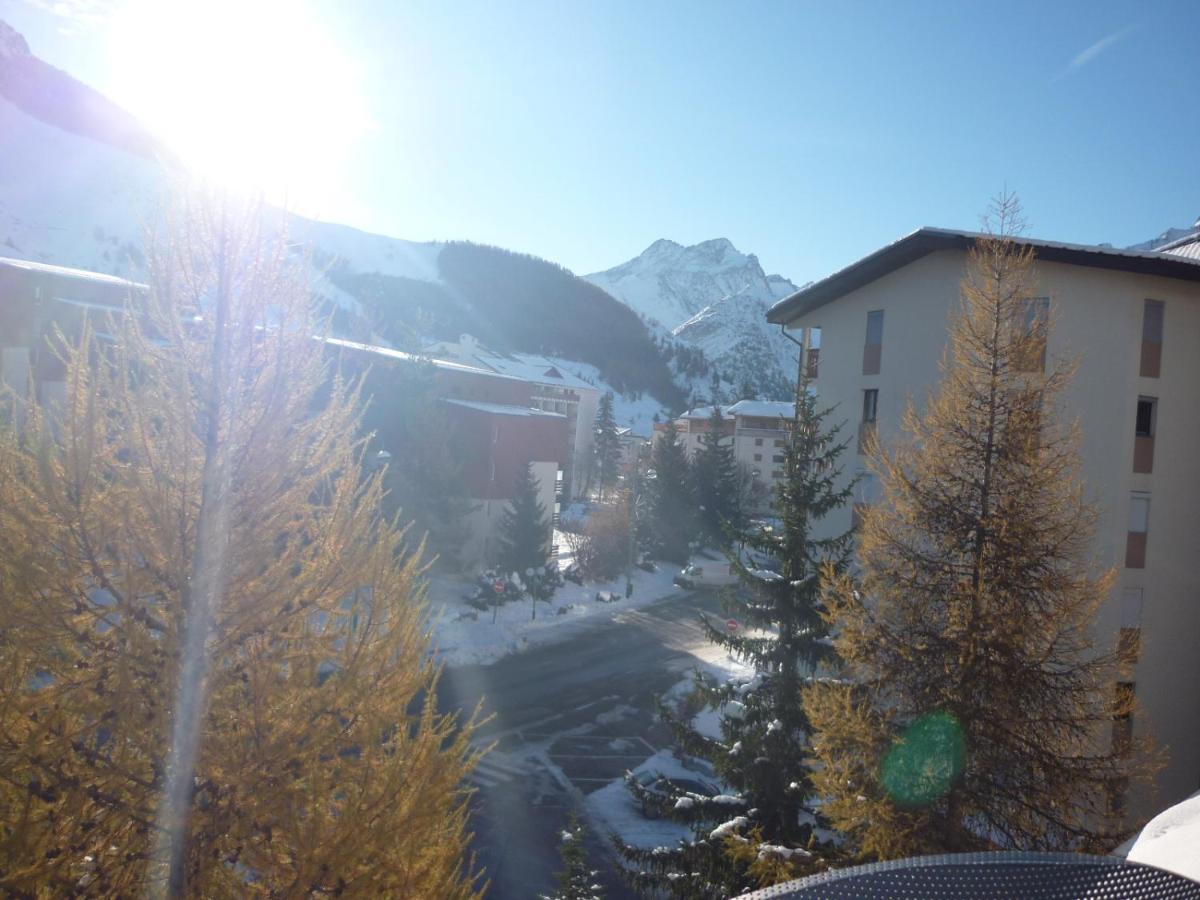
[926, 761]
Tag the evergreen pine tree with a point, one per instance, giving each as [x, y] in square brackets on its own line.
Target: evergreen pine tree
[716, 482]
[716, 395]
[608, 446]
[671, 507]
[524, 528]
[575, 880]
[214, 675]
[767, 833]
[978, 709]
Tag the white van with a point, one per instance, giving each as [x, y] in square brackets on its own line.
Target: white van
[714, 574]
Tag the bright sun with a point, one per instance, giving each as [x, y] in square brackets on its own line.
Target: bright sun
[251, 93]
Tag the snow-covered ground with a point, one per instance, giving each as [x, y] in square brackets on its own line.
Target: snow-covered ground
[613, 808]
[463, 635]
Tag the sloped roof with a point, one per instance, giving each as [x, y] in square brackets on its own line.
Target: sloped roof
[703, 412]
[66, 272]
[504, 409]
[402, 356]
[927, 240]
[1187, 246]
[529, 367]
[763, 409]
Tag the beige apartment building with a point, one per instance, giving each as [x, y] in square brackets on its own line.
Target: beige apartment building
[1132, 320]
[759, 431]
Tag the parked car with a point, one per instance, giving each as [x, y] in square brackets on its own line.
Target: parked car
[709, 575]
[657, 790]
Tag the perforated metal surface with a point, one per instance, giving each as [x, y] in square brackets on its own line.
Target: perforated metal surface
[992, 876]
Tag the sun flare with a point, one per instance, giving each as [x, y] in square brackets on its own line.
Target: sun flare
[255, 94]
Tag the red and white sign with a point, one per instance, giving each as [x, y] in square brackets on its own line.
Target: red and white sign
[732, 625]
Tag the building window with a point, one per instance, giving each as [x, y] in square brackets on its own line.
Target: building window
[870, 405]
[1122, 733]
[1129, 639]
[1029, 350]
[1152, 338]
[758, 442]
[873, 349]
[777, 458]
[1144, 427]
[780, 442]
[1139, 521]
[758, 457]
[866, 428]
[866, 495]
[1145, 417]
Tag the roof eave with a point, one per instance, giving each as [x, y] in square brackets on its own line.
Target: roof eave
[923, 241]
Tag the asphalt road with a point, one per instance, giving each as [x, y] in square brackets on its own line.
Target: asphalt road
[568, 718]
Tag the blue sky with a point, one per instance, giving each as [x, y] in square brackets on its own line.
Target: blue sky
[808, 133]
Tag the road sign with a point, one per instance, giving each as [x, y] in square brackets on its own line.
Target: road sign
[732, 625]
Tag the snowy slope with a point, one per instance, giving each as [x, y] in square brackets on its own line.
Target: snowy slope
[714, 297]
[72, 201]
[68, 200]
[71, 194]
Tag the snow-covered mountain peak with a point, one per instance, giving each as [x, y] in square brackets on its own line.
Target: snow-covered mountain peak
[711, 295]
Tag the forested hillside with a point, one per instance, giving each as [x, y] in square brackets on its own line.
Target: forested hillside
[517, 302]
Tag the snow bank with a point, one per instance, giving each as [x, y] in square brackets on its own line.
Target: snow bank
[463, 635]
[613, 807]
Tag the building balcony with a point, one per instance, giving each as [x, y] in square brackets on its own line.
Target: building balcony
[779, 432]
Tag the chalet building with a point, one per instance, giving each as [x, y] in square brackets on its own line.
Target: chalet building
[35, 299]
[553, 390]
[500, 418]
[1132, 319]
[759, 431]
[632, 447]
[499, 427]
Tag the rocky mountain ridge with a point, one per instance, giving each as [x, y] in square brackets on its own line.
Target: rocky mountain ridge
[713, 297]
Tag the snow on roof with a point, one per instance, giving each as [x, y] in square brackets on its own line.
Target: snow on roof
[705, 413]
[1187, 246]
[401, 355]
[1171, 840]
[537, 369]
[65, 272]
[504, 409]
[763, 408]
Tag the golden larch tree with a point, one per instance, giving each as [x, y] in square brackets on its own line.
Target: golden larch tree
[977, 702]
[214, 677]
